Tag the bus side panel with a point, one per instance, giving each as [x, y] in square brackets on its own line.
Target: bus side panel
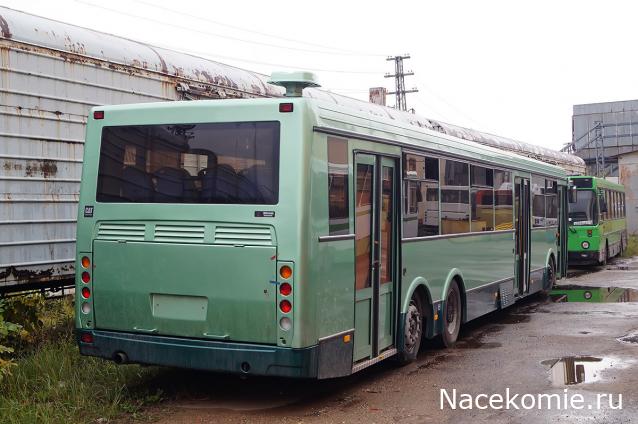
[543, 239]
[483, 259]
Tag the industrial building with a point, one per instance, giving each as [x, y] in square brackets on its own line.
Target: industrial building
[605, 135]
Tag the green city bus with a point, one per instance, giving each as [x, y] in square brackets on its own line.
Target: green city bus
[597, 221]
[305, 236]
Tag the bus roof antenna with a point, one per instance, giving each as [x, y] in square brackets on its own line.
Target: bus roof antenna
[294, 82]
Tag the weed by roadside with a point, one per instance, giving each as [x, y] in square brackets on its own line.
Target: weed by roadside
[52, 383]
[632, 247]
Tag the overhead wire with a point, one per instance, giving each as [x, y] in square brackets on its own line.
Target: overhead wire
[261, 33]
[214, 34]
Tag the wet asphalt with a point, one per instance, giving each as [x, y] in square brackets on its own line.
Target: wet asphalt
[535, 347]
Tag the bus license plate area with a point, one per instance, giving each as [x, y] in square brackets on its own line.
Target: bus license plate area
[170, 306]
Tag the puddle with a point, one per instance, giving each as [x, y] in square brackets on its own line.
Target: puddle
[571, 293]
[629, 338]
[577, 369]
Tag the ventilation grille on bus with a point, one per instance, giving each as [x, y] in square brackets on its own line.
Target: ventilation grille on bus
[260, 236]
[179, 233]
[132, 232]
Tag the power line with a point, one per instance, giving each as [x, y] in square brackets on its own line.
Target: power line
[265, 34]
[228, 37]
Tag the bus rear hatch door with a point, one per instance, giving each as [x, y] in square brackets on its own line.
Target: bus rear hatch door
[202, 291]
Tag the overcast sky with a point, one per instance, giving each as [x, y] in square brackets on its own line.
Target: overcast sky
[507, 67]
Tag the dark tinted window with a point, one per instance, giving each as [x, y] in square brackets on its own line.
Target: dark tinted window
[482, 198]
[538, 201]
[421, 213]
[503, 206]
[551, 203]
[190, 163]
[455, 197]
[582, 182]
[585, 210]
[482, 177]
[338, 210]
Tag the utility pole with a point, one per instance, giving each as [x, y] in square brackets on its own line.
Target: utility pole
[599, 139]
[399, 81]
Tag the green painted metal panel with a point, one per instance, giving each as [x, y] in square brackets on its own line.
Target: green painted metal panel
[483, 258]
[214, 292]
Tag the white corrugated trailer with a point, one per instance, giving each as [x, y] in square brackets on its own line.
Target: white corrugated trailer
[51, 74]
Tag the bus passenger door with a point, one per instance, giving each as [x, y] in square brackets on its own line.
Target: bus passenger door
[522, 233]
[375, 254]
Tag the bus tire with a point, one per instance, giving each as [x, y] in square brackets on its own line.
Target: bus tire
[452, 315]
[412, 330]
[605, 254]
[551, 276]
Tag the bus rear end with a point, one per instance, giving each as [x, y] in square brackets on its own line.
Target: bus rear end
[186, 256]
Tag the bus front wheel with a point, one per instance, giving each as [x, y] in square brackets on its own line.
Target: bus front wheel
[412, 330]
[452, 315]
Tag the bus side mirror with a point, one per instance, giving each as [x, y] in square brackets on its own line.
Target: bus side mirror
[572, 194]
[603, 204]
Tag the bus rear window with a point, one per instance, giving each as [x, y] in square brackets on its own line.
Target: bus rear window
[232, 163]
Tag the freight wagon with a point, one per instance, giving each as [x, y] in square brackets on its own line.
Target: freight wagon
[51, 74]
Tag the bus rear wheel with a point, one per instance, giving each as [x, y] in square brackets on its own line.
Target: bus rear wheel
[452, 315]
[551, 275]
[412, 330]
[605, 255]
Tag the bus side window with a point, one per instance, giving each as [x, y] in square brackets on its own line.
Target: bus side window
[503, 206]
[538, 201]
[338, 204]
[482, 198]
[421, 191]
[551, 198]
[455, 197]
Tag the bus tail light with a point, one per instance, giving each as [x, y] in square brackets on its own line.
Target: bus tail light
[86, 338]
[285, 302]
[285, 289]
[86, 262]
[86, 277]
[286, 107]
[98, 114]
[86, 293]
[285, 272]
[285, 306]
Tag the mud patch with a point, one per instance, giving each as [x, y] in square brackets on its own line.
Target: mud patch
[515, 319]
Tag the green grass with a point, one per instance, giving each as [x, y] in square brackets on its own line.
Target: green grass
[52, 383]
[632, 247]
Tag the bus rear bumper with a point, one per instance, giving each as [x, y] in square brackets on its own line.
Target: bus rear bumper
[240, 358]
[583, 258]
